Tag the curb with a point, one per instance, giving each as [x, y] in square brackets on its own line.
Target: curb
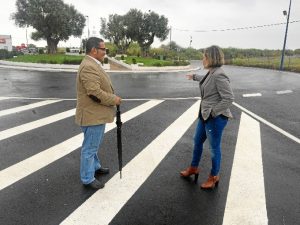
[74, 68]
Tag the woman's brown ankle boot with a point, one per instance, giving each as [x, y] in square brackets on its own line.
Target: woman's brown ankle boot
[211, 182]
[190, 171]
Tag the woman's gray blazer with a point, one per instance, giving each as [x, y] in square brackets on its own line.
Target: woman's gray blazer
[216, 94]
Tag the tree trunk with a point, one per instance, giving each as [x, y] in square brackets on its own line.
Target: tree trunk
[52, 45]
[145, 46]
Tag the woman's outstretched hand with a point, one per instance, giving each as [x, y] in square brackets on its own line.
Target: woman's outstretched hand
[189, 76]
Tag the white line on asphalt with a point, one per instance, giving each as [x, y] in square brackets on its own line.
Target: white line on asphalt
[268, 123]
[31, 98]
[284, 92]
[4, 98]
[35, 124]
[252, 95]
[101, 207]
[125, 99]
[246, 202]
[27, 107]
[30, 165]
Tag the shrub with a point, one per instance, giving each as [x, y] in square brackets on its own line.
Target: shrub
[133, 61]
[158, 64]
[122, 57]
[72, 61]
[42, 61]
[4, 54]
[105, 61]
[67, 49]
[41, 51]
[133, 49]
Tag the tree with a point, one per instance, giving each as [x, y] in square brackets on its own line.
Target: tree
[114, 31]
[53, 20]
[152, 26]
[135, 26]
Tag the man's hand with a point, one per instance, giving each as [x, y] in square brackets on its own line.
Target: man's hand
[118, 100]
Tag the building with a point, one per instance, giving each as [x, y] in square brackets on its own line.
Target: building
[6, 42]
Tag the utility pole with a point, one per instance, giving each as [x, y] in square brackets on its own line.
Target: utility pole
[170, 36]
[88, 25]
[285, 36]
[26, 38]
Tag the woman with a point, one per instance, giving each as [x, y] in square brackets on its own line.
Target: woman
[216, 97]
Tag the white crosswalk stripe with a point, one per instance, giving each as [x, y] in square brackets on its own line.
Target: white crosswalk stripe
[22, 169]
[246, 202]
[106, 203]
[27, 107]
[35, 124]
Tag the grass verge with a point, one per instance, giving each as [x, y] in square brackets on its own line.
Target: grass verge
[290, 63]
[51, 59]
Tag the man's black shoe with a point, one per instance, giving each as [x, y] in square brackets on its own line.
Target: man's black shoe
[102, 170]
[96, 184]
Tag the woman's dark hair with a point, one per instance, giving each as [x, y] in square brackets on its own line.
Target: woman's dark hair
[92, 42]
[214, 56]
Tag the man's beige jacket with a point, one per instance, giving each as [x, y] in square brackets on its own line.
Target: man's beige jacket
[93, 81]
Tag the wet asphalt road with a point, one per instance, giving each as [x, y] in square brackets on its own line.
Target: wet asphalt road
[50, 194]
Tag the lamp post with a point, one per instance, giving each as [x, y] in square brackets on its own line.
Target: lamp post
[88, 26]
[170, 36]
[285, 36]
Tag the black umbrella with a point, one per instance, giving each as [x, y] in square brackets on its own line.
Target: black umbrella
[119, 138]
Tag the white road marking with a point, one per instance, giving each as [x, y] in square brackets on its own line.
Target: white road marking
[4, 98]
[125, 99]
[32, 98]
[35, 124]
[268, 123]
[101, 207]
[27, 107]
[246, 202]
[284, 92]
[30, 165]
[252, 95]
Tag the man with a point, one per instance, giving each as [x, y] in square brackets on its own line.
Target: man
[95, 108]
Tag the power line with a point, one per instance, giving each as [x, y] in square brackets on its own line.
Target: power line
[238, 28]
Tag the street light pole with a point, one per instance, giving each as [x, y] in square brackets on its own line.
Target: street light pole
[285, 36]
[170, 36]
[26, 38]
[88, 25]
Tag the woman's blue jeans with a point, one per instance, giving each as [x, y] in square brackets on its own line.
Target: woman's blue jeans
[211, 129]
[89, 160]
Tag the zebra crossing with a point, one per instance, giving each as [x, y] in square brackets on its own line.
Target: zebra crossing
[105, 205]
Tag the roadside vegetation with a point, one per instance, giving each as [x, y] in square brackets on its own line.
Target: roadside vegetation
[168, 55]
[269, 59]
[141, 61]
[48, 58]
[291, 63]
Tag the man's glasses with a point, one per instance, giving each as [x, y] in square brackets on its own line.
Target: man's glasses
[103, 49]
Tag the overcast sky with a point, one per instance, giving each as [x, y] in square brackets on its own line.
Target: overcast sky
[191, 16]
